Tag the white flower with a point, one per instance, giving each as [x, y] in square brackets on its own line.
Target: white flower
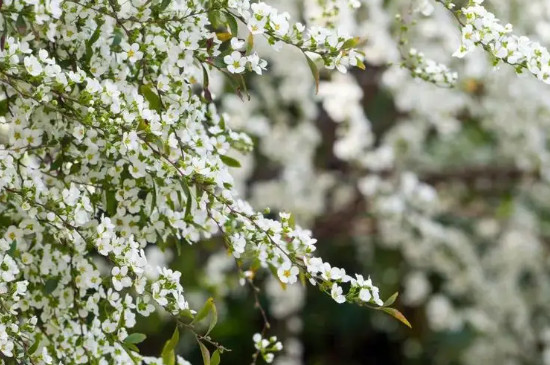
[120, 278]
[280, 24]
[257, 26]
[71, 196]
[287, 273]
[235, 62]
[8, 269]
[238, 244]
[237, 43]
[54, 7]
[256, 64]
[131, 52]
[32, 65]
[336, 293]
[364, 295]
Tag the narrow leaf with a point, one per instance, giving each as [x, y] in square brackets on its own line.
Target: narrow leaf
[168, 357]
[206, 84]
[350, 43]
[215, 359]
[397, 315]
[230, 161]
[4, 107]
[153, 197]
[314, 72]
[35, 345]
[111, 203]
[50, 285]
[250, 43]
[135, 338]
[233, 25]
[57, 162]
[391, 299]
[203, 312]
[205, 354]
[164, 5]
[213, 318]
[151, 97]
[189, 201]
[95, 36]
[21, 25]
[168, 351]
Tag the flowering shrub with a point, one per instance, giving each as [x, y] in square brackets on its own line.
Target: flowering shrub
[114, 143]
[118, 137]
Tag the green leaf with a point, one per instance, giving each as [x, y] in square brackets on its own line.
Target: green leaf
[35, 345]
[232, 23]
[135, 338]
[95, 36]
[205, 354]
[169, 358]
[314, 72]
[205, 78]
[230, 161]
[56, 164]
[396, 314]
[189, 201]
[186, 313]
[151, 97]
[215, 359]
[168, 351]
[153, 197]
[213, 318]
[391, 300]
[21, 25]
[3, 107]
[350, 43]
[13, 248]
[130, 346]
[75, 167]
[172, 240]
[250, 43]
[91, 41]
[214, 18]
[208, 308]
[203, 312]
[234, 81]
[164, 5]
[50, 285]
[360, 64]
[111, 203]
[206, 84]
[292, 221]
[117, 38]
[218, 62]
[89, 53]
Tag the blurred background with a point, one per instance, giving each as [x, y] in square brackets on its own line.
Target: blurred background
[437, 190]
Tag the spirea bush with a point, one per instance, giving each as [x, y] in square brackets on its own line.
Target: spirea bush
[114, 141]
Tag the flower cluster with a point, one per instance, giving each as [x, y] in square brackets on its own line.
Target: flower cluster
[267, 347]
[429, 70]
[336, 50]
[481, 27]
